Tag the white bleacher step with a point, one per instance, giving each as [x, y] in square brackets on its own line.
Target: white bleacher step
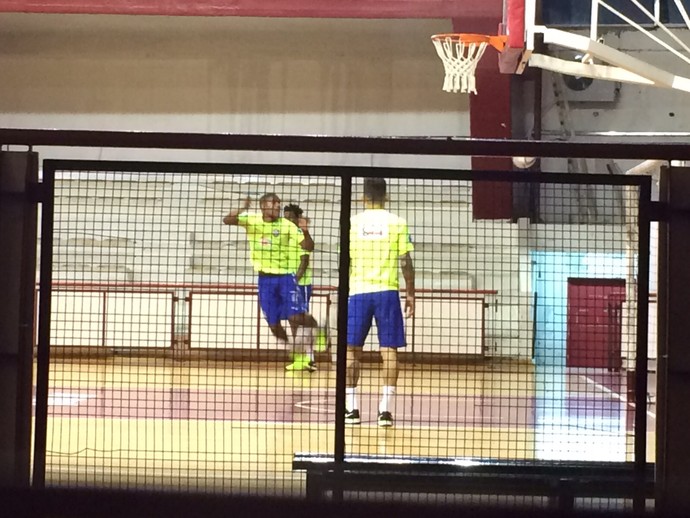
[91, 186]
[67, 278]
[210, 245]
[91, 255]
[107, 200]
[91, 271]
[94, 241]
[224, 262]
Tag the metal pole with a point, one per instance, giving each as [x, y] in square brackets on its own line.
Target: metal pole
[341, 346]
[18, 220]
[673, 418]
[43, 349]
[641, 363]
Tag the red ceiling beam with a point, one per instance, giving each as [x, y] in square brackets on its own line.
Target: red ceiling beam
[264, 8]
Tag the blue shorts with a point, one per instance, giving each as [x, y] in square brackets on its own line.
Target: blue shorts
[384, 306]
[306, 291]
[279, 297]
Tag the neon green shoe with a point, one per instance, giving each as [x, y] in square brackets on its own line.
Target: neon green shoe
[309, 367]
[321, 340]
[301, 362]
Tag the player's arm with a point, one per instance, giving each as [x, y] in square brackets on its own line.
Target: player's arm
[307, 243]
[408, 274]
[231, 218]
[303, 265]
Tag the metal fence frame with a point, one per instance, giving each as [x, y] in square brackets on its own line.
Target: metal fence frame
[346, 175]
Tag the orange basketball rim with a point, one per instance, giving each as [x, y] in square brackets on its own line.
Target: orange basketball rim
[460, 54]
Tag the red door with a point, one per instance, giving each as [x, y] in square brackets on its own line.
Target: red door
[595, 323]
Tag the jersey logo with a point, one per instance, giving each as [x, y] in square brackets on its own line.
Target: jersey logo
[373, 230]
[276, 232]
[265, 241]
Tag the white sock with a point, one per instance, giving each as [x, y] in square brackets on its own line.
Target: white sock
[387, 398]
[304, 341]
[351, 398]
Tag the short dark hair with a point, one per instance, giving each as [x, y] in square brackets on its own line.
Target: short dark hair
[375, 189]
[268, 196]
[294, 208]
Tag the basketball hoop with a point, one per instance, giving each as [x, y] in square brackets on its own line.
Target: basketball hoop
[460, 54]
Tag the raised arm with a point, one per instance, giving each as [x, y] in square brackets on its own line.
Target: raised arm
[408, 274]
[231, 217]
[307, 243]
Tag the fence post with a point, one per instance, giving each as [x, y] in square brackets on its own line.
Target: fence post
[18, 223]
[673, 454]
[181, 336]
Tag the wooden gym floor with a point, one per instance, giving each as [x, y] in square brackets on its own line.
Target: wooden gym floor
[234, 427]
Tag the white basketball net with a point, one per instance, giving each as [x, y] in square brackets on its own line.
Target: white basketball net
[460, 62]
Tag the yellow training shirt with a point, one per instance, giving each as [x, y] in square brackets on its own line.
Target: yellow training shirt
[377, 240]
[271, 242]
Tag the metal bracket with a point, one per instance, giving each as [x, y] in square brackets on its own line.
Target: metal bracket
[36, 192]
[658, 211]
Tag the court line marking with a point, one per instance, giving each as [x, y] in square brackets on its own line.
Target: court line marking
[616, 395]
[308, 405]
[66, 398]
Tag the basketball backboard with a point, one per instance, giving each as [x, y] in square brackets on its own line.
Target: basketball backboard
[537, 38]
[517, 18]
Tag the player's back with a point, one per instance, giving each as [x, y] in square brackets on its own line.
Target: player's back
[377, 239]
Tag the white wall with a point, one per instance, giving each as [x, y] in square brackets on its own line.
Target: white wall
[167, 229]
[281, 76]
[638, 113]
[228, 75]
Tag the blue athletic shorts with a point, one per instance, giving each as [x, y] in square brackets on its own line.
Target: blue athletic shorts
[384, 307]
[279, 297]
[306, 293]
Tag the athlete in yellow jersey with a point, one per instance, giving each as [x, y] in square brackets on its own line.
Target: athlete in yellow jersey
[379, 242]
[300, 263]
[299, 257]
[272, 241]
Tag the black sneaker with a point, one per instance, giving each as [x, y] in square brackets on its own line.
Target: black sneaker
[311, 367]
[385, 419]
[352, 417]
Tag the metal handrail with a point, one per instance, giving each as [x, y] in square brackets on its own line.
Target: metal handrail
[237, 289]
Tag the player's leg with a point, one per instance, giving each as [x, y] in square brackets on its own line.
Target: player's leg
[354, 362]
[320, 341]
[297, 320]
[279, 332]
[359, 318]
[293, 334]
[313, 329]
[389, 356]
[391, 334]
[270, 306]
[295, 306]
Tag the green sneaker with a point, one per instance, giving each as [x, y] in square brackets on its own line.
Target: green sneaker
[297, 366]
[301, 362]
[321, 340]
